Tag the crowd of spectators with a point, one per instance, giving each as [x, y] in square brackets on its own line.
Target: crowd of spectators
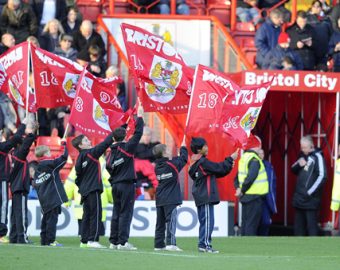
[313, 38]
[311, 42]
[55, 26]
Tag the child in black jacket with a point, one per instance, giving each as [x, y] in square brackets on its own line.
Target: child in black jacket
[204, 190]
[89, 181]
[168, 195]
[20, 186]
[120, 165]
[50, 190]
[5, 148]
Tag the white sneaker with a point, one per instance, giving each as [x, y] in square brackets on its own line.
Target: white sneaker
[173, 248]
[91, 244]
[159, 249]
[126, 246]
[113, 246]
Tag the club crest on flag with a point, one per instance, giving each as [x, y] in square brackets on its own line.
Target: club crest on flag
[15, 93]
[166, 76]
[248, 121]
[70, 84]
[99, 116]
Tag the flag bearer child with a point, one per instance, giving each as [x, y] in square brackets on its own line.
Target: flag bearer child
[204, 190]
[168, 195]
[20, 186]
[89, 182]
[50, 190]
[5, 148]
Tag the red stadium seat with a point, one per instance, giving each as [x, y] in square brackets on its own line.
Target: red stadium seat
[65, 171]
[221, 9]
[121, 7]
[245, 27]
[31, 155]
[197, 7]
[250, 54]
[52, 142]
[90, 9]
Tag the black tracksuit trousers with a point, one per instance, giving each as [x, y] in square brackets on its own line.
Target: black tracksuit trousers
[92, 216]
[124, 200]
[49, 226]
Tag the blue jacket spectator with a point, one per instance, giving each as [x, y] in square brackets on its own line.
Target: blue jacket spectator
[267, 35]
[334, 48]
[276, 56]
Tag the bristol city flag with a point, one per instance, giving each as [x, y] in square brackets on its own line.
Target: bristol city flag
[55, 78]
[104, 91]
[219, 105]
[15, 63]
[87, 116]
[162, 78]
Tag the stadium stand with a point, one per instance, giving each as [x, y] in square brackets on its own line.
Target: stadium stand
[90, 9]
[221, 9]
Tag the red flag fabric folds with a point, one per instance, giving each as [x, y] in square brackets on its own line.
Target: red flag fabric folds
[162, 78]
[15, 63]
[87, 116]
[104, 91]
[219, 105]
[55, 79]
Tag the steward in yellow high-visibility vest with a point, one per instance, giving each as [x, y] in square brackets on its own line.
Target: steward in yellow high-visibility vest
[335, 203]
[73, 195]
[251, 185]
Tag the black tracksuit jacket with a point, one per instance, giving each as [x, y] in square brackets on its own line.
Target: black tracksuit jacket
[310, 181]
[204, 173]
[47, 182]
[88, 169]
[168, 191]
[120, 162]
[5, 148]
[19, 177]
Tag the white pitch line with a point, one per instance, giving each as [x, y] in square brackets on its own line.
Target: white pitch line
[199, 255]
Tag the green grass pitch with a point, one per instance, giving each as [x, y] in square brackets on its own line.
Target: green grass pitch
[274, 253]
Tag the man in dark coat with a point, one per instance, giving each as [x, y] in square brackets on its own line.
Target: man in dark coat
[303, 40]
[44, 9]
[310, 169]
[323, 31]
[334, 48]
[18, 19]
[85, 37]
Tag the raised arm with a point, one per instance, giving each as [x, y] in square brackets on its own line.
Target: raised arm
[100, 148]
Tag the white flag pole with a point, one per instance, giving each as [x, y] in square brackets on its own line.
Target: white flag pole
[191, 97]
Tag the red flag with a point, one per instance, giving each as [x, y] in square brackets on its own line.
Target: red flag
[86, 114]
[219, 105]
[55, 79]
[253, 141]
[16, 66]
[131, 122]
[104, 91]
[3, 78]
[161, 75]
